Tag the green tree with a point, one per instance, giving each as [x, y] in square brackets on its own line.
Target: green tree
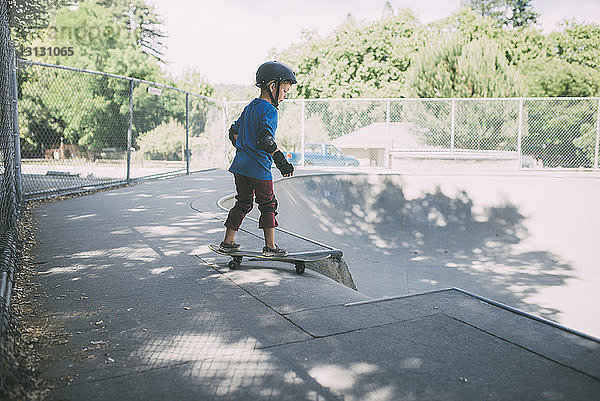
[29, 18]
[87, 110]
[142, 22]
[520, 13]
[576, 43]
[289, 127]
[486, 8]
[469, 24]
[192, 80]
[358, 59]
[342, 117]
[553, 77]
[562, 132]
[524, 44]
[151, 110]
[511, 13]
[100, 42]
[164, 142]
[456, 67]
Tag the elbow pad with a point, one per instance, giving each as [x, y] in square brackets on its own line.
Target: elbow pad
[265, 141]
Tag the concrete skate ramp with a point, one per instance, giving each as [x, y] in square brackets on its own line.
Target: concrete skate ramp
[526, 241]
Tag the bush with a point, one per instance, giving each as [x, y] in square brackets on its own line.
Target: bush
[165, 142]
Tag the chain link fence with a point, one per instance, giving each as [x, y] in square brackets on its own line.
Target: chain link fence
[8, 178]
[505, 135]
[83, 129]
[14, 382]
[561, 133]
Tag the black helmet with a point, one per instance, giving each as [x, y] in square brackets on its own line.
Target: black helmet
[274, 71]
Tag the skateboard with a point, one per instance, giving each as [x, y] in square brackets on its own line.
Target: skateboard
[299, 259]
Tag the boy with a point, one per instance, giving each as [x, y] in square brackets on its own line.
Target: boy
[253, 135]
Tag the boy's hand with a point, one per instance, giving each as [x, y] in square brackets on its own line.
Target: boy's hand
[287, 170]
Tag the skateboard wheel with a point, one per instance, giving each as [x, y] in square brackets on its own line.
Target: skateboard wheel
[300, 268]
[234, 264]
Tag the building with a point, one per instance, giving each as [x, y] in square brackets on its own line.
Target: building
[372, 144]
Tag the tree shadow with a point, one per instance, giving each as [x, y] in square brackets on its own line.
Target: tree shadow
[397, 243]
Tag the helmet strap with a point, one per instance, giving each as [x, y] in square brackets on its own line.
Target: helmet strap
[274, 100]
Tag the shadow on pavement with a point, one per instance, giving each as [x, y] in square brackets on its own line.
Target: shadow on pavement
[399, 243]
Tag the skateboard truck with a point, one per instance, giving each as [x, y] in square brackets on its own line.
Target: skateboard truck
[237, 261]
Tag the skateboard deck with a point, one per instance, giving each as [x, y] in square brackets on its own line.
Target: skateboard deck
[299, 259]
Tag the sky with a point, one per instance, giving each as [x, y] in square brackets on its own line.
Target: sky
[226, 40]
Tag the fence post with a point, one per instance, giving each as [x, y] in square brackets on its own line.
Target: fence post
[597, 147]
[452, 126]
[17, 137]
[520, 135]
[386, 162]
[225, 134]
[187, 133]
[130, 131]
[302, 130]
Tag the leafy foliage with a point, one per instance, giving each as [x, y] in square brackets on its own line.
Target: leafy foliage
[289, 127]
[555, 77]
[92, 111]
[577, 43]
[512, 13]
[142, 21]
[29, 18]
[89, 111]
[100, 42]
[520, 13]
[165, 142]
[358, 59]
[86, 110]
[457, 67]
[492, 48]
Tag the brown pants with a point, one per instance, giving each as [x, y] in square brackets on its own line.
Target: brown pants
[247, 189]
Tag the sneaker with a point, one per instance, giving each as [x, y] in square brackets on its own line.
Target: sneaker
[277, 251]
[225, 247]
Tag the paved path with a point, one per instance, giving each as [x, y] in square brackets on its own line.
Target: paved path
[153, 315]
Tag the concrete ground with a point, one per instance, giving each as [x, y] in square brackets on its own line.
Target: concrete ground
[153, 314]
[526, 240]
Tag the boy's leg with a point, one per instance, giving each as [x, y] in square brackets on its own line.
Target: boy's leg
[267, 204]
[271, 248]
[228, 244]
[229, 235]
[269, 237]
[243, 205]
